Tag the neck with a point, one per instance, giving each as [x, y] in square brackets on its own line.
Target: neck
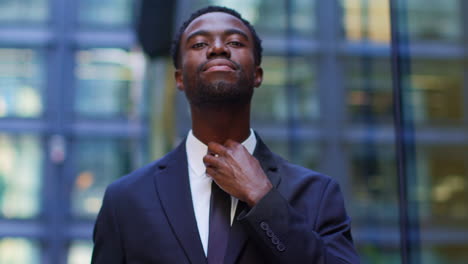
[218, 124]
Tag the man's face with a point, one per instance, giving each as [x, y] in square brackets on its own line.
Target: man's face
[217, 64]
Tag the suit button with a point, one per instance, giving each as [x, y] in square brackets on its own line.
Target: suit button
[270, 233]
[275, 240]
[264, 226]
[280, 247]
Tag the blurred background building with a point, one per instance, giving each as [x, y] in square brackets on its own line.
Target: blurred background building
[81, 105]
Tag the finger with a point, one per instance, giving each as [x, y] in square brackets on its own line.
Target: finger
[232, 144]
[215, 148]
[211, 172]
[211, 161]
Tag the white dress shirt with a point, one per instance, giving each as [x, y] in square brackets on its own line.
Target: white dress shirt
[200, 183]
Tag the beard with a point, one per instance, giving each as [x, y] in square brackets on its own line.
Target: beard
[220, 93]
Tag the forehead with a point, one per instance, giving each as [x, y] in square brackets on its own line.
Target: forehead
[216, 22]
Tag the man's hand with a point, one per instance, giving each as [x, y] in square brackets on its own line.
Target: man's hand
[236, 171]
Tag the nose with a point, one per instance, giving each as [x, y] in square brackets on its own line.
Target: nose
[218, 49]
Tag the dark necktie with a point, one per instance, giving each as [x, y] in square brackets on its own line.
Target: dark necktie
[220, 205]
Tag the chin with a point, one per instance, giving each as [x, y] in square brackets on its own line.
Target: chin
[220, 94]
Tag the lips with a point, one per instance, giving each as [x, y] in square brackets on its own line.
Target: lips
[219, 65]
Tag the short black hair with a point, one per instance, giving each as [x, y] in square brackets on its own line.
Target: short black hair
[210, 9]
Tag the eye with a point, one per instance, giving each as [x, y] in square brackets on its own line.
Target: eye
[236, 43]
[199, 45]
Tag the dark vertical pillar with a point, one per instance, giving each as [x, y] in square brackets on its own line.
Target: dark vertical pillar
[464, 42]
[332, 93]
[290, 87]
[59, 116]
[404, 133]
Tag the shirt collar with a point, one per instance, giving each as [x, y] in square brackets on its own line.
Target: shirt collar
[196, 150]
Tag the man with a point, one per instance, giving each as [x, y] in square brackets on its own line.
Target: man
[170, 212]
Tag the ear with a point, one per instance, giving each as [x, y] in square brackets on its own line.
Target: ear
[179, 78]
[258, 78]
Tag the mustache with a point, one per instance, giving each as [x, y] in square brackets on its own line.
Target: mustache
[202, 66]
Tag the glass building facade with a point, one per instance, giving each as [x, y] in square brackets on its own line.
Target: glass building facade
[373, 93]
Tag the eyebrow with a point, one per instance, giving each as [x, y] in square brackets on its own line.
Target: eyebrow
[231, 31]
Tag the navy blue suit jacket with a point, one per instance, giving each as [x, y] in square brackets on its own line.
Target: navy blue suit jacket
[148, 217]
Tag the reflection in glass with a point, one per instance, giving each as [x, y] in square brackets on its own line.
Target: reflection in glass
[279, 147]
[437, 91]
[443, 186]
[306, 154]
[23, 11]
[434, 100]
[268, 17]
[369, 86]
[302, 16]
[366, 20]
[302, 77]
[98, 163]
[270, 100]
[434, 20]
[105, 12]
[373, 205]
[271, 17]
[247, 8]
[108, 83]
[372, 253]
[20, 176]
[19, 251]
[443, 253]
[80, 252]
[21, 82]
[373, 184]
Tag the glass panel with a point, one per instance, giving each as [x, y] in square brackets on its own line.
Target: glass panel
[80, 252]
[19, 251]
[108, 83]
[98, 162]
[271, 18]
[453, 254]
[23, 11]
[278, 146]
[20, 176]
[267, 16]
[306, 153]
[303, 19]
[302, 77]
[105, 12]
[369, 86]
[442, 192]
[247, 8]
[434, 85]
[366, 20]
[270, 100]
[374, 185]
[373, 201]
[372, 253]
[21, 82]
[437, 91]
[423, 27]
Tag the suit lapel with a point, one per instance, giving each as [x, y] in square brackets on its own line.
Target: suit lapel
[238, 237]
[172, 184]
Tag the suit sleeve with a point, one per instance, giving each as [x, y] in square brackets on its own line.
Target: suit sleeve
[286, 236]
[107, 241]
